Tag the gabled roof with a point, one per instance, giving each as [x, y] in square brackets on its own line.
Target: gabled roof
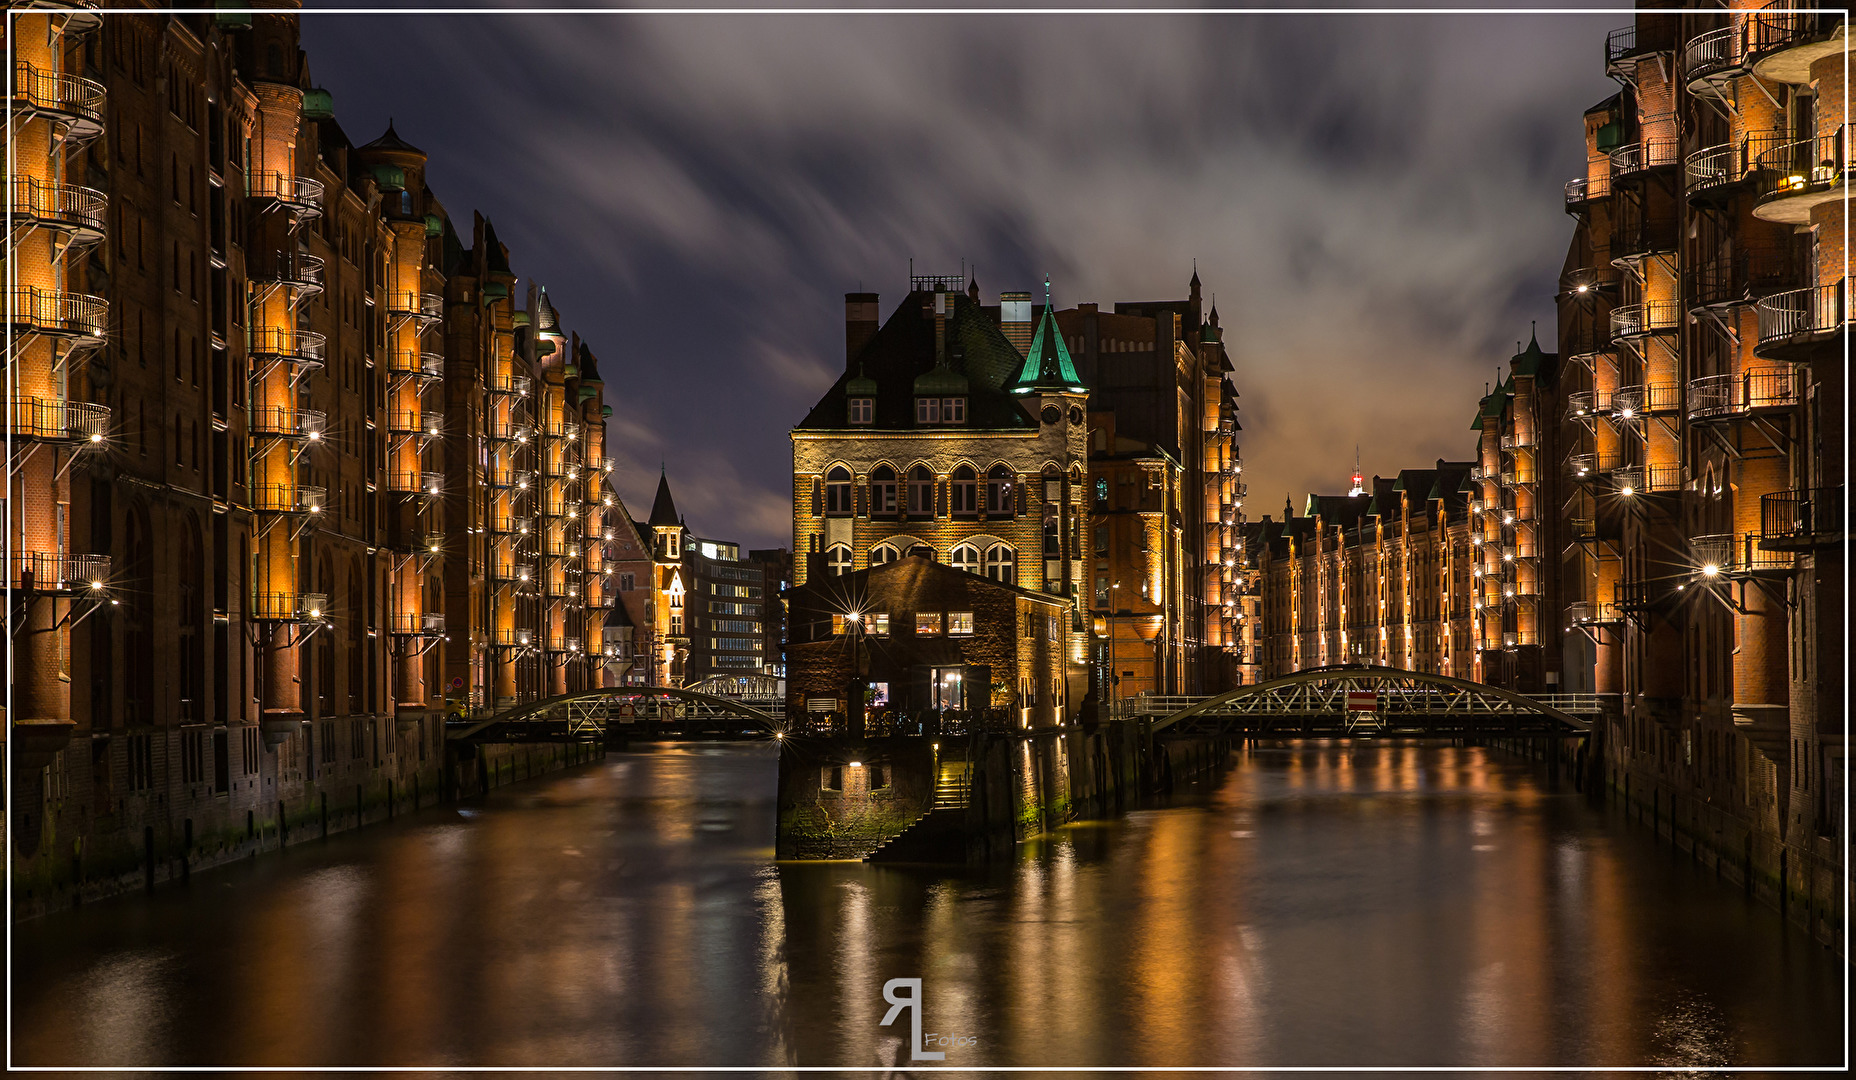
[904, 350]
[664, 508]
[1047, 366]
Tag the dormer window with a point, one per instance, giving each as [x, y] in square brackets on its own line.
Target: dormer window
[863, 410]
[940, 410]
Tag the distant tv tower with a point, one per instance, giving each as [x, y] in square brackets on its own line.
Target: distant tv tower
[1359, 481]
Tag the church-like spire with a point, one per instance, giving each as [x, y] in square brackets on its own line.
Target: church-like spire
[664, 508]
[1047, 365]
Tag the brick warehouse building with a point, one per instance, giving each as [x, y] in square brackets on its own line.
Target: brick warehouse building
[1704, 316]
[297, 465]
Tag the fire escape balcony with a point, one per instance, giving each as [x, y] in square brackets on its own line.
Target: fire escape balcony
[555, 588]
[1715, 56]
[517, 385]
[512, 572]
[1639, 157]
[1735, 556]
[558, 428]
[288, 498]
[418, 624]
[70, 101]
[416, 482]
[300, 195]
[1584, 191]
[80, 213]
[416, 364]
[80, 16]
[74, 317]
[559, 545]
[1587, 468]
[1625, 45]
[60, 574]
[505, 525]
[1645, 399]
[1795, 177]
[1750, 272]
[1516, 441]
[1802, 520]
[1586, 405]
[1716, 397]
[507, 429]
[513, 638]
[1781, 46]
[1800, 326]
[298, 271]
[423, 423]
[1631, 321]
[424, 308]
[1583, 530]
[501, 475]
[419, 543]
[1593, 613]
[288, 422]
[53, 421]
[304, 348]
[284, 607]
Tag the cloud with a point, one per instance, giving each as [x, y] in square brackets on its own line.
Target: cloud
[1374, 201]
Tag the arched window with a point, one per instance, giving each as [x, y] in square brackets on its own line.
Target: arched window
[966, 557]
[1002, 564]
[882, 490]
[838, 560]
[838, 492]
[921, 492]
[883, 554]
[966, 492]
[999, 492]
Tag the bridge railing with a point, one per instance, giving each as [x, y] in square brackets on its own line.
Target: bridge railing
[1427, 699]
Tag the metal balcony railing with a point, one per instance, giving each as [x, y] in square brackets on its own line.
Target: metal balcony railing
[1750, 271]
[1648, 154]
[302, 195]
[297, 270]
[507, 429]
[78, 210]
[292, 346]
[557, 428]
[1516, 441]
[289, 607]
[1582, 528]
[1802, 520]
[1715, 53]
[500, 475]
[417, 623]
[49, 572]
[68, 99]
[288, 422]
[1627, 480]
[511, 526]
[1635, 320]
[416, 363]
[288, 498]
[1727, 395]
[1805, 166]
[1662, 477]
[1588, 467]
[416, 305]
[1592, 613]
[416, 422]
[1586, 404]
[415, 482]
[1803, 313]
[1586, 189]
[58, 314]
[1771, 32]
[512, 571]
[1734, 555]
[513, 637]
[1631, 402]
[507, 384]
[52, 420]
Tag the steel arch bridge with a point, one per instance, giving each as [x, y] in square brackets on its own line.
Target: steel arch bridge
[1364, 701]
[649, 711]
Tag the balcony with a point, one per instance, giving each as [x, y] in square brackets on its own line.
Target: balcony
[301, 347]
[300, 195]
[1794, 178]
[420, 544]
[1632, 402]
[415, 482]
[1583, 530]
[289, 607]
[1584, 405]
[1519, 441]
[415, 364]
[52, 420]
[417, 624]
[420, 422]
[1587, 468]
[1722, 396]
[1714, 56]
[555, 588]
[1515, 639]
[77, 17]
[513, 638]
[1734, 556]
[288, 498]
[1586, 190]
[557, 428]
[424, 308]
[500, 475]
[80, 213]
[74, 103]
[1802, 520]
[507, 429]
[74, 317]
[1637, 320]
[1592, 613]
[1638, 157]
[1781, 46]
[288, 422]
[65, 575]
[505, 525]
[517, 385]
[1801, 326]
[298, 271]
[512, 572]
[1625, 45]
[1748, 273]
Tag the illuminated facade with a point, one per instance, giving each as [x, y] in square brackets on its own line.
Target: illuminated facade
[294, 468]
[1704, 316]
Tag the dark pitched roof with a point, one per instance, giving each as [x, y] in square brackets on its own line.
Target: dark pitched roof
[903, 350]
[392, 141]
[664, 508]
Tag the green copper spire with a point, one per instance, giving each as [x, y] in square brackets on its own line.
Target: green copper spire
[1047, 365]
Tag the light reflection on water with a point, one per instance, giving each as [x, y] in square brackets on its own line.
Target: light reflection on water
[1325, 904]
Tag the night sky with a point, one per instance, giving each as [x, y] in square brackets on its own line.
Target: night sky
[1374, 201]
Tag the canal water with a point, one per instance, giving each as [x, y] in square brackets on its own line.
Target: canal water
[1318, 904]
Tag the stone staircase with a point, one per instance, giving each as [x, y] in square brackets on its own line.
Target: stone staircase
[937, 836]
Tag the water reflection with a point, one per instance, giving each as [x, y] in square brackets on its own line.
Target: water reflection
[1325, 904]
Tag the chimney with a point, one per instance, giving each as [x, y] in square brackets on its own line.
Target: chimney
[859, 325]
[1015, 319]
